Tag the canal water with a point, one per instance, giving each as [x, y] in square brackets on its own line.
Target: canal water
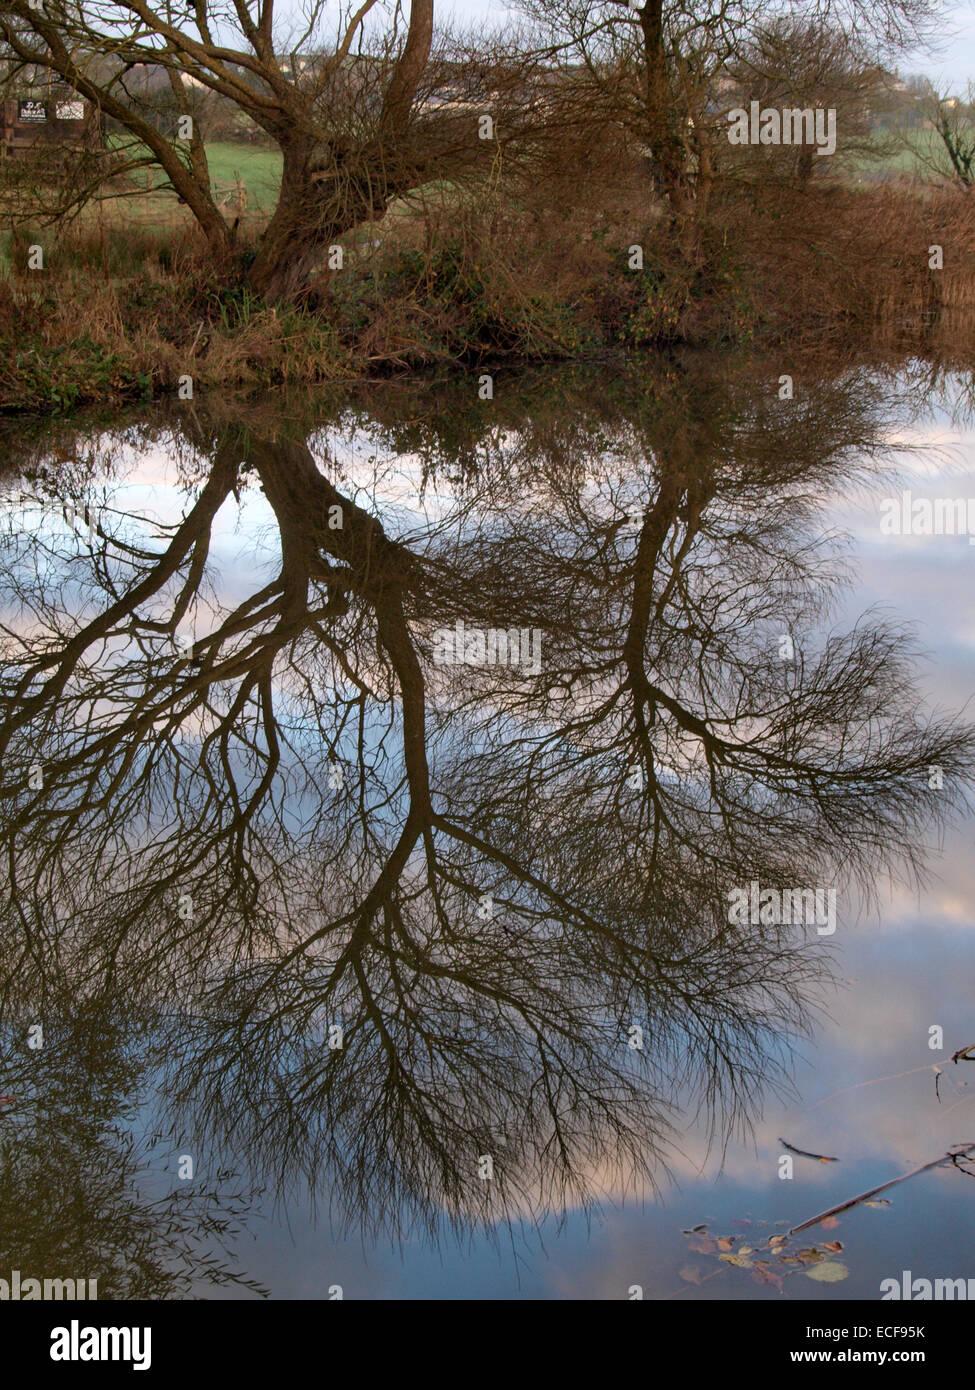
[492, 849]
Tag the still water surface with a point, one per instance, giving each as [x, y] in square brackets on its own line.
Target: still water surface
[426, 964]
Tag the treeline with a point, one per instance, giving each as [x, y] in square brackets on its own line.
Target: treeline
[372, 107]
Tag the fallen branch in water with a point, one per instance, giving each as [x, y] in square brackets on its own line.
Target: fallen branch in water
[804, 1153]
[958, 1151]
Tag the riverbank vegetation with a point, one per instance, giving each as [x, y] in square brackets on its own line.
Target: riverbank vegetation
[406, 198]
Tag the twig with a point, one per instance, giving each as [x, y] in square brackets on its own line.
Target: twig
[970, 1097]
[874, 1081]
[956, 1152]
[684, 1287]
[804, 1153]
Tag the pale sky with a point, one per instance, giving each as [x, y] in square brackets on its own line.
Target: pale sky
[954, 63]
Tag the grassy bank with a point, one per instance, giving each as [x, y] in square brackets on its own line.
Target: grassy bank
[121, 313]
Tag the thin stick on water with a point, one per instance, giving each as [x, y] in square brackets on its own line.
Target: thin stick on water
[958, 1151]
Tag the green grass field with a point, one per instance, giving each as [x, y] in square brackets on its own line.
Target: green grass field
[259, 168]
[135, 205]
[910, 154]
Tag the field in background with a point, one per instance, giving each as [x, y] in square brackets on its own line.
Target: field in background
[145, 205]
[260, 170]
[925, 146]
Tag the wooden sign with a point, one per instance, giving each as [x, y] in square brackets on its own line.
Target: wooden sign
[31, 111]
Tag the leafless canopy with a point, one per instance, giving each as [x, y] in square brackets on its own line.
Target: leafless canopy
[364, 104]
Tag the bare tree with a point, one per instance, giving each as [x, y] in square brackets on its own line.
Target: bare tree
[658, 68]
[345, 105]
[800, 63]
[87, 1195]
[953, 121]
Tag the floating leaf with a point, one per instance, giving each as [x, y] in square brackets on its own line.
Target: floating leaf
[810, 1255]
[701, 1246]
[726, 1242]
[745, 1250]
[694, 1230]
[829, 1273]
[878, 1202]
[763, 1275]
[788, 1259]
[829, 1223]
[740, 1261]
[776, 1241]
[691, 1274]
[834, 1245]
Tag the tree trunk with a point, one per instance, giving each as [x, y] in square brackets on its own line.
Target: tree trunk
[288, 248]
[325, 193]
[410, 67]
[667, 144]
[315, 207]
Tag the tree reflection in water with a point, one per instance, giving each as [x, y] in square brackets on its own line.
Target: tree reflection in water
[486, 877]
